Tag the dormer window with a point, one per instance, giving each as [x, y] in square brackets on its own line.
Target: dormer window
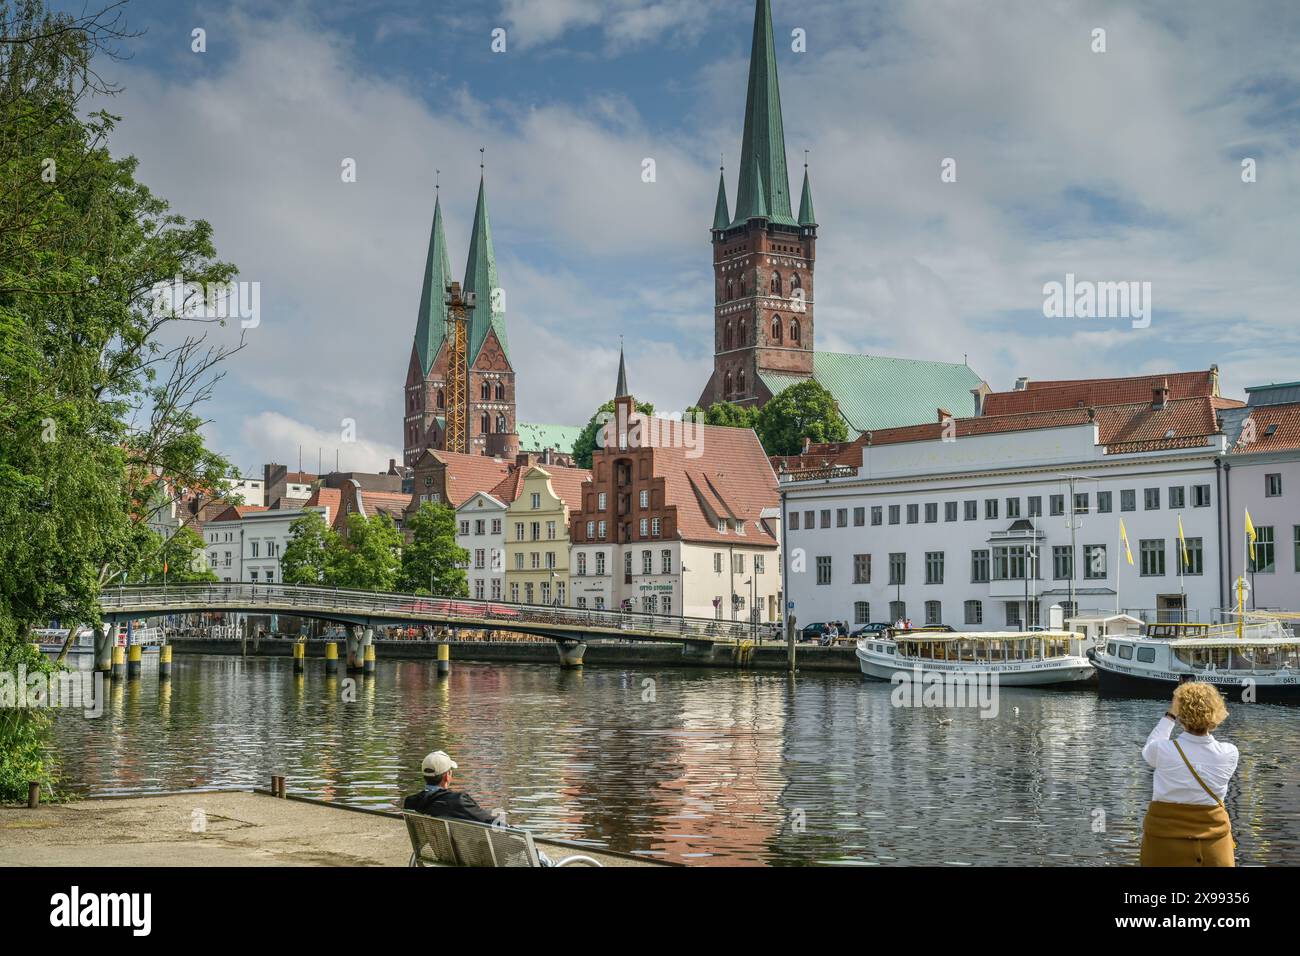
[722, 526]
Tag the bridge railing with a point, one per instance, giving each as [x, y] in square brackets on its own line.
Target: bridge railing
[417, 608]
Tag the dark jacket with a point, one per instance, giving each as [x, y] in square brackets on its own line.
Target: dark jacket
[439, 802]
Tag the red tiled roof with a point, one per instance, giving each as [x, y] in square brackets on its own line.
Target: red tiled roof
[235, 512]
[300, 477]
[730, 478]
[470, 474]
[1049, 395]
[384, 502]
[1284, 420]
[1121, 428]
[331, 498]
[565, 482]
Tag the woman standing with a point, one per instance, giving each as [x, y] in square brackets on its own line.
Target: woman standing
[1187, 823]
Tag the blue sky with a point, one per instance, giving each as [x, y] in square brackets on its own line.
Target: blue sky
[1123, 165]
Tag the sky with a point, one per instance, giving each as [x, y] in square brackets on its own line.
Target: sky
[1122, 165]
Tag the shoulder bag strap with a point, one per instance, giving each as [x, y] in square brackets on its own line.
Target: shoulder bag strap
[1198, 779]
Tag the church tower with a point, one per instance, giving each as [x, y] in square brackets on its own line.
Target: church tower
[490, 412]
[763, 256]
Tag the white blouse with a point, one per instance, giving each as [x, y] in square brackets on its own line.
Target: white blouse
[1173, 783]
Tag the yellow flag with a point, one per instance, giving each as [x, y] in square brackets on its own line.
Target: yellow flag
[1250, 533]
[1123, 536]
[1183, 541]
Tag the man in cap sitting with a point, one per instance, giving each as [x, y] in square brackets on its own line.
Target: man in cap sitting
[437, 800]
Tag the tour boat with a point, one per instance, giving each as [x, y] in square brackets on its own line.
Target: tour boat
[1264, 661]
[1017, 658]
[81, 653]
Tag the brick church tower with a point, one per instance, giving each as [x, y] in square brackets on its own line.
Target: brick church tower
[763, 257]
[490, 415]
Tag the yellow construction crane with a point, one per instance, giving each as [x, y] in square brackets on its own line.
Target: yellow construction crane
[457, 368]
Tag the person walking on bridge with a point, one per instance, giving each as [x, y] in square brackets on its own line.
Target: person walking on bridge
[437, 799]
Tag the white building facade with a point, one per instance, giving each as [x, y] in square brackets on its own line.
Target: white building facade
[987, 531]
[249, 548]
[480, 530]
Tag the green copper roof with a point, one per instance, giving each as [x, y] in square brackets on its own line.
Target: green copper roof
[806, 215]
[721, 218]
[481, 279]
[874, 391]
[431, 325]
[764, 180]
[534, 437]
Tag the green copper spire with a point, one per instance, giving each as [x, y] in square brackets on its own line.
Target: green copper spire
[721, 218]
[806, 215]
[481, 279]
[764, 180]
[760, 201]
[431, 325]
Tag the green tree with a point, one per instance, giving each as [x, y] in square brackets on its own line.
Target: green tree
[100, 381]
[369, 556]
[311, 547]
[727, 414]
[180, 553]
[433, 558]
[804, 410]
[592, 433]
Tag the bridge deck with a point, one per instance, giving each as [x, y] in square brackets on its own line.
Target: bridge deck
[370, 608]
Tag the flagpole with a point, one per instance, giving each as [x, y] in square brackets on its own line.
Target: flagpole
[1119, 535]
[1182, 565]
[1241, 581]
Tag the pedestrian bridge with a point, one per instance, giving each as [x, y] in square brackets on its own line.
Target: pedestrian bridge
[373, 608]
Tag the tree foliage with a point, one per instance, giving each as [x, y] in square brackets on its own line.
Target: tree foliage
[433, 559]
[804, 410]
[305, 559]
[99, 387]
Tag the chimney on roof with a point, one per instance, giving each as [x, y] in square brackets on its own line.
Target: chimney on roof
[1160, 395]
[1214, 380]
[392, 466]
[546, 456]
[525, 458]
[978, 395]
[1092, 414]
[1022, 383]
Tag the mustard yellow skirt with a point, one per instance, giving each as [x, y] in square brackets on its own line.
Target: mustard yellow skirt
[1186, 834]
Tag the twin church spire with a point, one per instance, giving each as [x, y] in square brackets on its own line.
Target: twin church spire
[480, 278]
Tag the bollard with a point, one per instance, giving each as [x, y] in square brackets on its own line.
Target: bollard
[165, 662]
[277, 785]
[134, 658]
[444, 659]
[331, 658]
[33, 795]
[119, 662]
[368, 666]
[299, 657]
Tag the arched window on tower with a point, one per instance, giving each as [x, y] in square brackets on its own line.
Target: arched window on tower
[794, 331]
[501, 424]
[776, 282]
[484, 391]
[742, 286]
[442, 399]
[726, 336]
[778, 329]
[742, 337]
[794, 281]
[740, 382]
[485, 423]
[726, 386]
[731, 291]
[501, 391]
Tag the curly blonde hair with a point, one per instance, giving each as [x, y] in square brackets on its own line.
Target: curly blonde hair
[1199, 706]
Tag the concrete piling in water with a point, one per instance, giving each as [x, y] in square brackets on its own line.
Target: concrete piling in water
[571, 653]
[277, 785]
[331, 658]
[104, 650]
[444, 659]
[134, 660]
[118, 670]
[165, 662]
[368, 665]
[299, 657]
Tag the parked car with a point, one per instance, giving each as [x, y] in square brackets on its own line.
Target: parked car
[873, 630]
[813, 632]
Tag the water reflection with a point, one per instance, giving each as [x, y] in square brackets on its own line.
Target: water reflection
[710, 767]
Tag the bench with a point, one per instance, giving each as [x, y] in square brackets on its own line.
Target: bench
[437, 841]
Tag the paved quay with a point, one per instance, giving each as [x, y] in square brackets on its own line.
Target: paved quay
[240, 828]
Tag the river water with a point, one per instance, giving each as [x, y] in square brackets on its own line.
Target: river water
[695, 766]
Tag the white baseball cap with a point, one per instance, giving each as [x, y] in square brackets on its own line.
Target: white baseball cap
[437, 763]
